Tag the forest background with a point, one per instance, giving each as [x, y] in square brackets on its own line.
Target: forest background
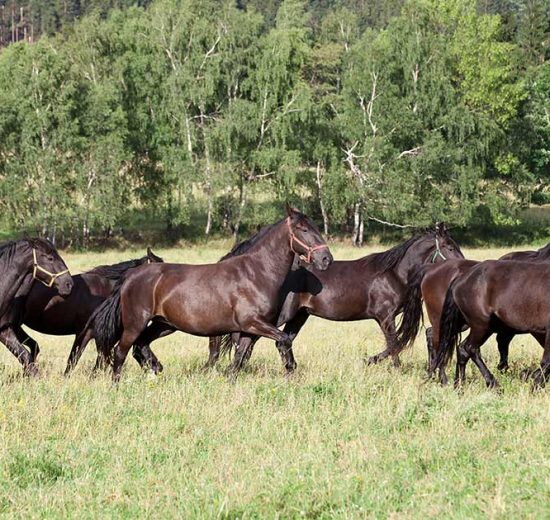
[185, 119]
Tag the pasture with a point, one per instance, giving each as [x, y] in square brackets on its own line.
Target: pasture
[337, 440]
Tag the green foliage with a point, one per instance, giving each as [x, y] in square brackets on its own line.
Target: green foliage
[216, 112]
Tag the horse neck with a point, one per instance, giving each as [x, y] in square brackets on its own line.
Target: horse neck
[273, 252]
[417, 254]
[15, 276]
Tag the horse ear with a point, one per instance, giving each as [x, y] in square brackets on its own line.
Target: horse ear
[441, 228]
[289, 210]
[152, 258]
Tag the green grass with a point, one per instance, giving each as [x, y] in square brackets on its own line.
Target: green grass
[338, 440]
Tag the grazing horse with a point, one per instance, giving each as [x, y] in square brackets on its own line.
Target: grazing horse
[430, 283]
[240, 294]
[46, 311]
[372, 287]
[21, 263]
[496, 296]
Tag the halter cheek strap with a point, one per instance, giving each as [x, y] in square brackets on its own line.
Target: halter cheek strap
[39, 269]
[437, 252]
[309, 250]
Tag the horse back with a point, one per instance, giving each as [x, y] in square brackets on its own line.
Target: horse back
[514, 292]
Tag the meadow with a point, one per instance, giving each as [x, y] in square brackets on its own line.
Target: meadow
[337, 440]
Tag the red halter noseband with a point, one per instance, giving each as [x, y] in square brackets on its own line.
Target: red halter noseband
[308, 249]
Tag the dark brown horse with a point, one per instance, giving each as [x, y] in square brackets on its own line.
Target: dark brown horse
[430, 283]
[372, 287]
[45, 311]
[496, 296]
[22, 263]
[156, 329]
[241, 294]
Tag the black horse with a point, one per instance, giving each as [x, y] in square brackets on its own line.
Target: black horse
[372, 287]
[44, 310]
[21, 264]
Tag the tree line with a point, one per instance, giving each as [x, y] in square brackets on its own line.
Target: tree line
[210, 113]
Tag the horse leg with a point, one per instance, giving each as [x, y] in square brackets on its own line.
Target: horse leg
[478, 336]
[142, 351]
[292, 328]
[388, 328]
[129, 336]
[243, 350]
[79, 345]
[541, 374]
[214, 346]
[430, 346]
[462, 358]
[9, 338]
[503, 341]
[26, 340]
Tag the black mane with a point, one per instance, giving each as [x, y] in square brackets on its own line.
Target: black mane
[117, 271]
[544, 252]
[245, 245]
[7, 251]
[389, 259]
[42, 244]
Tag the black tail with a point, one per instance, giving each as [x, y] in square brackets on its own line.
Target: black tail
[106, 322]
[450, 327]
[225, 344]
[412, 311]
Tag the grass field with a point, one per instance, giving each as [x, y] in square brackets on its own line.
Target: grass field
[338, 440]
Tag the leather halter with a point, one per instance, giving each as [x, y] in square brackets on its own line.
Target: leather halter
[437, 252]
[309, 250]
[39, 269]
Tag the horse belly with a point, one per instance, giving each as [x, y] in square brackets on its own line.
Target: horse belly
[524, 314]
[198, 312]
[339, 305]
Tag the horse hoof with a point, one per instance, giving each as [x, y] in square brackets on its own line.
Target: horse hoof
[157, 368]
[494, 385]
[31, 370]
[503, 367]
[539, 380]
[526, 374]
[373, 360]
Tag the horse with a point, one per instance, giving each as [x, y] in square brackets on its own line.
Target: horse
[155, 330]
[430, 283]
[240, 294]
[45, 311]
[22, 263]
[494, 296]
[372, 287]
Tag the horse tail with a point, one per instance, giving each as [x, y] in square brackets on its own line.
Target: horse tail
[412, 311]
[106, 321]
[225, 343]
[452, 322]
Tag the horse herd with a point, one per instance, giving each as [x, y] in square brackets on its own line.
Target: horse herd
[280, 276]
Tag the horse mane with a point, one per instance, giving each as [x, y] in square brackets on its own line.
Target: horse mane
[43, 244]
[389, 259]
[544, 252]
[117, 271]
[7, 251]
[243, 246]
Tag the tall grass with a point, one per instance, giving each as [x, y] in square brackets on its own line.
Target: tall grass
[337, 440]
